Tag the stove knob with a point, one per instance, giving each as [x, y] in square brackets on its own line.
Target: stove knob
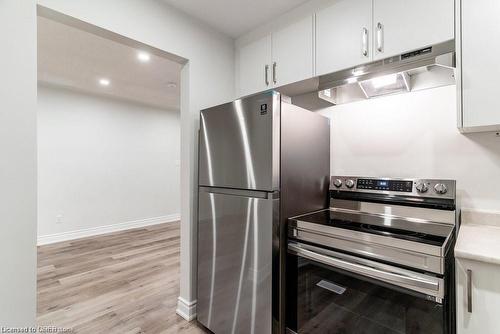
[349, 183]
[422, 187]
[440, 188]
[337, 183]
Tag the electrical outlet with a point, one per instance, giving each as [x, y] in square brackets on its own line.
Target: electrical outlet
[177, 163]
[59, 219]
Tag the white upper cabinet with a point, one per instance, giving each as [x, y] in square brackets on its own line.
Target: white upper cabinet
[349, 33]
[292, 51]
[280, 58]
[343, 35]
[255, 66]
[405, 25]
[479, 23]
[478, 297]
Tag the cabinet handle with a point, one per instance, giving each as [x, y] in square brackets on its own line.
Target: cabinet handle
[469, 290]
[380, 37]
[364, 42]
[274, 73]
[266, 74]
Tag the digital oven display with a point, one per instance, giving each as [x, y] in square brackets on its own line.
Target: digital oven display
[387, 185]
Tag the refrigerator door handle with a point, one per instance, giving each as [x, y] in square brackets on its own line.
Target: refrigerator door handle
[241, 192]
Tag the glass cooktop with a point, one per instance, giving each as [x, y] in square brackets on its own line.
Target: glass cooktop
[388, 226]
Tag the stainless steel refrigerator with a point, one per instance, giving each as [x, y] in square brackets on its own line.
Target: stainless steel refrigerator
[261, 161]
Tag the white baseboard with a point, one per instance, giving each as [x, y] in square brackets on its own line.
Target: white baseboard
[186, 309]
[88, 232]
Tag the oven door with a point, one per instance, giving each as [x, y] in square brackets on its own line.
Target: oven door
[331, 292]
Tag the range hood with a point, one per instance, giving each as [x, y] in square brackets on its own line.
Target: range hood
[429, 67]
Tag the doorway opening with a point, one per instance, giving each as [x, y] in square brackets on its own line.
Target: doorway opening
[108, 180]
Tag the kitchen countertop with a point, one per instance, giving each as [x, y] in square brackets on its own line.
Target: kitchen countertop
[479, 237]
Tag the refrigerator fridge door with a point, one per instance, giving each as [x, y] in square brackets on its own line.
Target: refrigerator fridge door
[239, 144]
[235, 260]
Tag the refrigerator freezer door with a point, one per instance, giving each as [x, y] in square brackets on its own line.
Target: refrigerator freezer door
[235, 260]
[239, 144]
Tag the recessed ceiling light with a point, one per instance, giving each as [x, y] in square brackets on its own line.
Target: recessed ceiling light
[143, 57]
[171, 85]
[104, 82]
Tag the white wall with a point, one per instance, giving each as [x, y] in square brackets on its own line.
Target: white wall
[17, 163]
[103, 161]
[207, 80]
[415, 135]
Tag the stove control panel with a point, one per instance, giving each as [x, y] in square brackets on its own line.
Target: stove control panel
[407, 187]
[383, 184]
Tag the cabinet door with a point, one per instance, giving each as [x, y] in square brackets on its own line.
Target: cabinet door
[480, 49]
[405, 25]
[254, 62]
[485, 297]
[341, 30]
[292, 49]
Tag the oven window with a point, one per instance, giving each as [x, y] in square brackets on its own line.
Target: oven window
[329, 301]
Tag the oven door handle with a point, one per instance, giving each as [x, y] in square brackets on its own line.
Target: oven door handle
[367, 268]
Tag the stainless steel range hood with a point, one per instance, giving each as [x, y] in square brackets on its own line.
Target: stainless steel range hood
[425, 68]
[429, 67]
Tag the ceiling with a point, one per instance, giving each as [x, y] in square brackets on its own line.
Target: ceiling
[234, 17]
[77, 59]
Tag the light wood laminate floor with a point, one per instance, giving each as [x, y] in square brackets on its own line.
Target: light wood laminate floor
[124, 282]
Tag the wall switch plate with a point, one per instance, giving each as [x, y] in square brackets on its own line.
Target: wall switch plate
[59, 219]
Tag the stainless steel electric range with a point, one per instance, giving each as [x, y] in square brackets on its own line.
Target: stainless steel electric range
[380, 260]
